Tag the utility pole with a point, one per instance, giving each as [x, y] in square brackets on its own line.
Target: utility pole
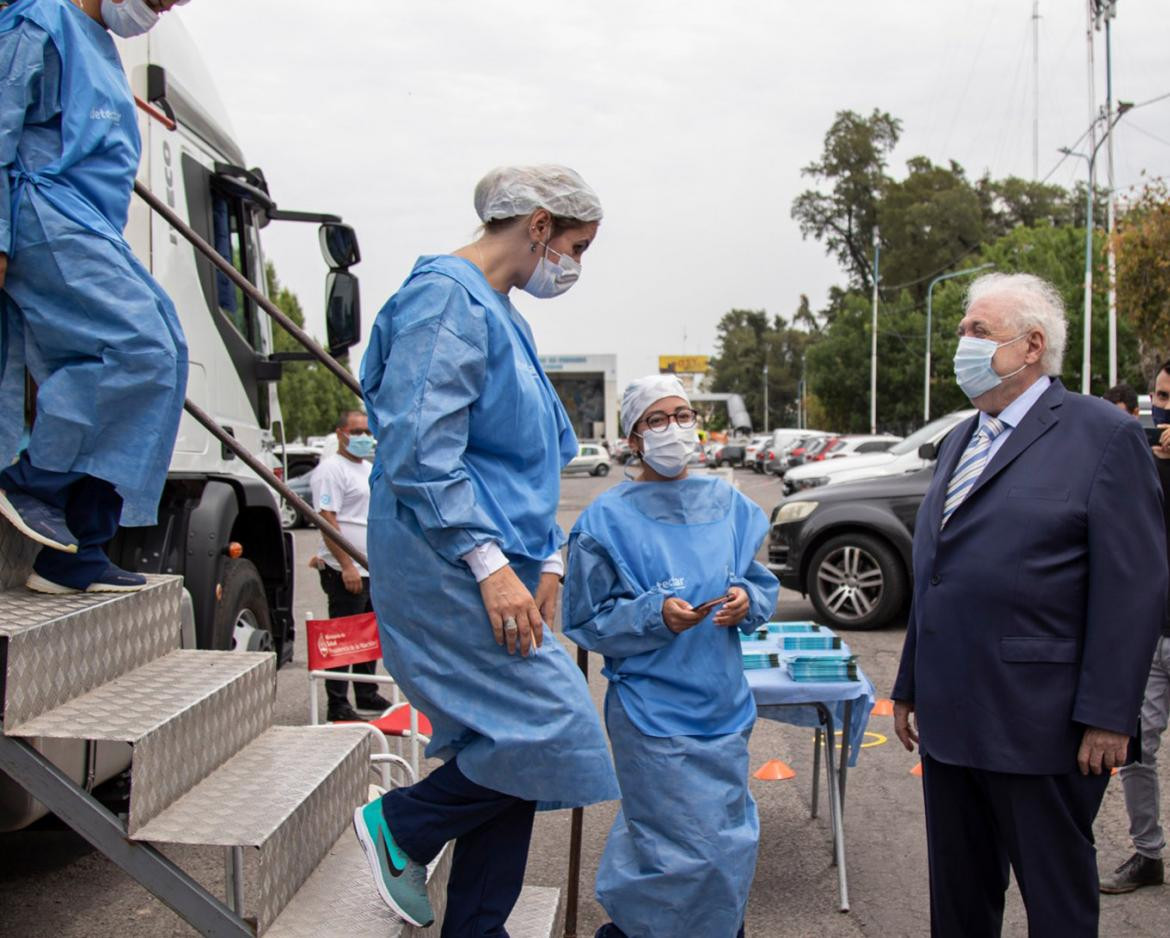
[877, 251]
[930, 336]
[1035, 90]
[767, 424]
[1086, 345]
[1106, 12]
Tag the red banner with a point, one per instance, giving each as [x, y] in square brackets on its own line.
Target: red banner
[333, 643]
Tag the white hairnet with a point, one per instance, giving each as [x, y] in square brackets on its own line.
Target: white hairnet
[641, 394]
[509, 191]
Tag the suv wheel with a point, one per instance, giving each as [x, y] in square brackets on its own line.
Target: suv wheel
[856, 581]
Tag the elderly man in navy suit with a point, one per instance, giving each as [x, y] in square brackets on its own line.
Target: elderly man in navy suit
[1040, 581]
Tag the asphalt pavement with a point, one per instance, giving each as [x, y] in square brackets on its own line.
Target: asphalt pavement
[52, 885]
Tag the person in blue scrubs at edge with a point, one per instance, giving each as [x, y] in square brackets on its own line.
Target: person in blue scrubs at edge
[464, 552]
[98, 336]
[645, 561]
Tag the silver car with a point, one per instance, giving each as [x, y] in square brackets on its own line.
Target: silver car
[591, 458]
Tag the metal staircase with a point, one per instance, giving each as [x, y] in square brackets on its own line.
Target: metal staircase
[208, 769]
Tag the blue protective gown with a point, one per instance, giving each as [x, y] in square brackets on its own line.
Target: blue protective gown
[472, 438]
[98, 335]
[682, 851]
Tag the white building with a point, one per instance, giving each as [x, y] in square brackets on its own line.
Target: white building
[587, 386]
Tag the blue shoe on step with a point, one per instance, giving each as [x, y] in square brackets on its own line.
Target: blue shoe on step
[38, 521]
[401, 882]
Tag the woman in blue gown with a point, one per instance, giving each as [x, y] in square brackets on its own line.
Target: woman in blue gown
[645, 560]
[464, 555]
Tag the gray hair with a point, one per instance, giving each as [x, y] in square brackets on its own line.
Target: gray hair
[1029, 303]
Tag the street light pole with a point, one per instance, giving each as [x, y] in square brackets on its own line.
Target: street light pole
[877, 251]
[767, 424]
[1091, 159]
[930, 334]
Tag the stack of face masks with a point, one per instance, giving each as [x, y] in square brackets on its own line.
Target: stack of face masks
[784, 628]
[823, 668]
[760, 662]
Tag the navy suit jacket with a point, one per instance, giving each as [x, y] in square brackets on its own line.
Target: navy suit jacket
[1036, 610]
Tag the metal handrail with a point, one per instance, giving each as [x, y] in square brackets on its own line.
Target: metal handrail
[250, 289]
[270, 477]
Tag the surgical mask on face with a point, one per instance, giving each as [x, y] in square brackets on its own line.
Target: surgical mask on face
[668, 451]
[1160, 415]
[974, 371]
[360, 446]
[549, 279]
[129, 18]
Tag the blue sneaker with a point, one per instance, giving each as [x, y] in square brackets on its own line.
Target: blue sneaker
[112, 580]
[401, 882]
[38, 521]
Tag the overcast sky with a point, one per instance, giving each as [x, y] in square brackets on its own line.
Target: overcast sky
[692, 120]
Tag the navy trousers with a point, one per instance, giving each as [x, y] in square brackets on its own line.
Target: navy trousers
[979, 823]
[92, 508]
[610, 930]
[491, 831]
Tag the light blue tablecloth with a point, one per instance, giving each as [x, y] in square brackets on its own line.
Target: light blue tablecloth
[772, 687]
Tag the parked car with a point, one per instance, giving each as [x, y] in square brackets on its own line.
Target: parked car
[859, 445]
[899, 459]
[848, 547]
[731, 454]
[698, 458]
[299, 460]
[591, 458]
[753, 447]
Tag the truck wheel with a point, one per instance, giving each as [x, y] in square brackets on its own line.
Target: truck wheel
[856, 581]
[601, 470]
[242, 620]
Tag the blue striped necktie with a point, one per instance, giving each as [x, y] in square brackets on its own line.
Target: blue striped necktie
[971, 466]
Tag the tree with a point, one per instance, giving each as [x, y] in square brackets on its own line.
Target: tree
[1142, 243]
[745, 339]
[853, 165]
[1014, 202]
[929, 221]
[311, 398]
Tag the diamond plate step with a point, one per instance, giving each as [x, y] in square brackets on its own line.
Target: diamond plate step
[56, 648]
[340, 899]
[183, 714]
[287, 796]
[539, 913]
[17, 553]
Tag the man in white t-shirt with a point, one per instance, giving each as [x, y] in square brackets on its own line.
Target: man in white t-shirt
[341, 493]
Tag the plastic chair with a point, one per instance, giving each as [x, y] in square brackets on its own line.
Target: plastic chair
[333, 643]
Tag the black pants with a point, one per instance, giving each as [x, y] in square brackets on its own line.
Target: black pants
[92, 508]
[344, 603]
[979, 823]
[491, 831]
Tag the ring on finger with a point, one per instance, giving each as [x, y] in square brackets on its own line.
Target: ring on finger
[510, 625]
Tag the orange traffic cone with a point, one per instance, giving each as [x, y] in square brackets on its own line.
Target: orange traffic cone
[883, 708]
[775, 771]
[917, 770]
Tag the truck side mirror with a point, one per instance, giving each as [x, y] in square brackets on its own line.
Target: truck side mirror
[343, 318]
[339, 246]
[928, 451]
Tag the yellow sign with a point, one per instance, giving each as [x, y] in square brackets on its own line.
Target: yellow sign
[683, 364]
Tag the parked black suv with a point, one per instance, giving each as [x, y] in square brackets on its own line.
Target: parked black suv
[847, 547]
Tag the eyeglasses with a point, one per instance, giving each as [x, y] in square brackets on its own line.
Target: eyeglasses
[659, 420]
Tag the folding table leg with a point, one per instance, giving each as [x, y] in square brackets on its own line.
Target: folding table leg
[816, 770]
[836, 816]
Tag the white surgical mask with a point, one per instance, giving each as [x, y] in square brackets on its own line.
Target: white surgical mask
[129, 18]
[668, 451]
[974, 371]
[549, 279]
